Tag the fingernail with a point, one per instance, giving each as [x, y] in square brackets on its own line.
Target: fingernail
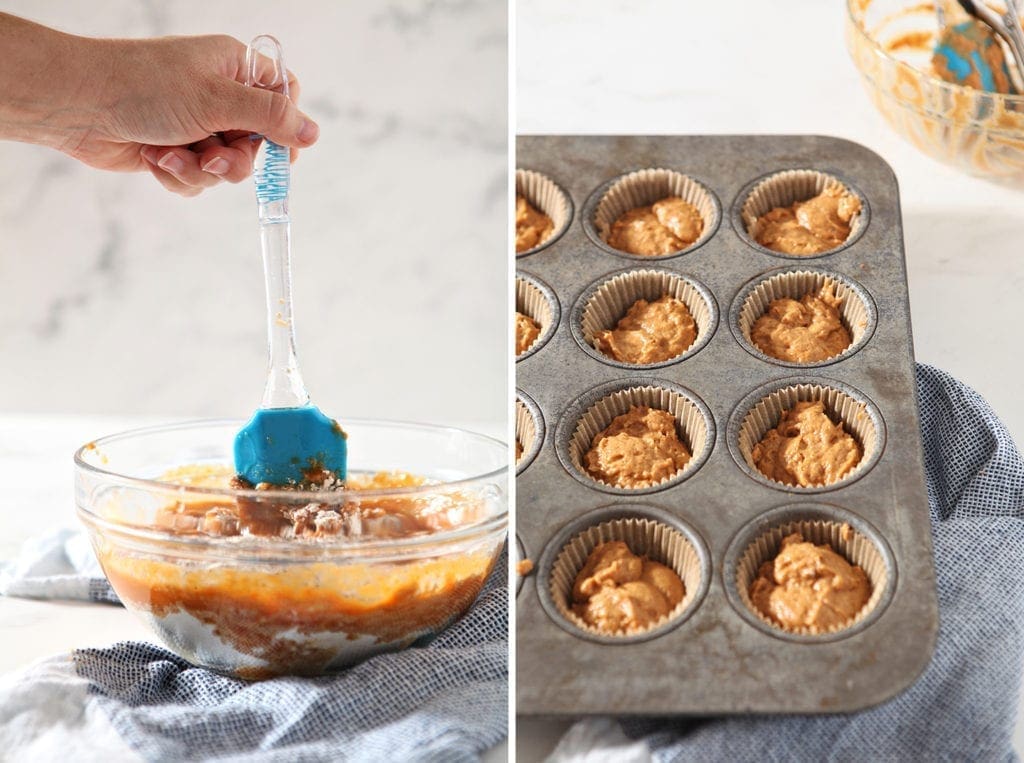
[171, 163]
[308, 132]
[216, 166]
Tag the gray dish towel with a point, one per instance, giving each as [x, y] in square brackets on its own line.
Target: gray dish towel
[964, 705]
[446, 700]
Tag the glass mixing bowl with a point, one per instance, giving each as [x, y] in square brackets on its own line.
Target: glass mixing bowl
[978, 132]
[256, 606]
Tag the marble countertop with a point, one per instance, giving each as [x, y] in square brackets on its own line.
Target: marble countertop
[650, 67]
[399, 230]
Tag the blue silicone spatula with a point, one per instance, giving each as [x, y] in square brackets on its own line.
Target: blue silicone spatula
[288, 441]
[969, 52]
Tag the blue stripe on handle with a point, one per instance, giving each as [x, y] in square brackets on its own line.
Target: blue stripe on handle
[273, 177]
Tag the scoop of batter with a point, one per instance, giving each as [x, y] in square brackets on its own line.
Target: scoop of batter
[809, 227]
[667, 226]
[649, 332]
[639, 448]
[527, 331]
[809, 586]
[619, 591]
[804, 331]
[532, 226]
[806, 448]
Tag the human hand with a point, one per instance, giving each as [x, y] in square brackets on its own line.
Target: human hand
[176, 107]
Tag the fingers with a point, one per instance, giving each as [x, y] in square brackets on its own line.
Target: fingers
[204, 164]
[266, 73]
[266, 76]
[236, 107]
[227, 162]
[171, 183]
[180, 163]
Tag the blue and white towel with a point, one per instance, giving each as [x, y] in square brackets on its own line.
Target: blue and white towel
[447, 701]
[964, 705]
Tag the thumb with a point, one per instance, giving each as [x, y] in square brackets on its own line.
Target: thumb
[239, 107]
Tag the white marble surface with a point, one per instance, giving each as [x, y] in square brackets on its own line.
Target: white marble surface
[120, 298]
[653, 66]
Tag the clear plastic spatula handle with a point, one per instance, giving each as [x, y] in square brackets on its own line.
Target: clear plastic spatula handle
[265, 68]
[288, 441]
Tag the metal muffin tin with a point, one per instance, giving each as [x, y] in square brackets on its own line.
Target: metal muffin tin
[718, 658]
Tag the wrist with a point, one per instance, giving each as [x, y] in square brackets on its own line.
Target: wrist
[50, 88]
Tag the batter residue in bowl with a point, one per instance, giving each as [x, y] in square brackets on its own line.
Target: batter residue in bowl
[974, 42]
[377, 517]
[301, 614]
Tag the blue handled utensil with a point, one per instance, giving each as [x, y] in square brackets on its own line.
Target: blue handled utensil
[288, 441]
[969, 52]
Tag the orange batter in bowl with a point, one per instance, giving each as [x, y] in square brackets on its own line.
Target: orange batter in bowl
[294, 612]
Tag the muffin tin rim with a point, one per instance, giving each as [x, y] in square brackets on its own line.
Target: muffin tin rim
[556, 313]
[557, 234]
[736, 214]
[740, 411]
[570, 417]
[747, 289]
[702, 341]
[608, 512]
[539, 425]
[795, 511]
[594, 199]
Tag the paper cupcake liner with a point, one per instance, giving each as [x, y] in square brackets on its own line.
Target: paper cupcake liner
[859, 418]
[857, 548]
[692, 425]
[644, 187]
[612, 299]
[783, 189]
[529, 430]
[857, 313]
[544, 194]
[538, 302]
[657, 541]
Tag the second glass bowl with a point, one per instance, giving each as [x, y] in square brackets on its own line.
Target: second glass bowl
[978, 132]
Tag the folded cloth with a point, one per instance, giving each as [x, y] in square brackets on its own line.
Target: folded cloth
[58, 565]
[445, 701]
[964, 705]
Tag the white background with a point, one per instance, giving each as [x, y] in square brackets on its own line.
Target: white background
[120, 298]
[653, 66]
